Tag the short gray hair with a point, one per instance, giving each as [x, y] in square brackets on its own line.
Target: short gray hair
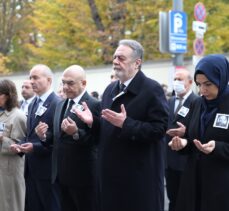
[45, 70]
[138, 50]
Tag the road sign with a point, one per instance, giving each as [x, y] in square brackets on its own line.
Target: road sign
[199, 26]
[177, 32]
[199, 12]
[198, 47]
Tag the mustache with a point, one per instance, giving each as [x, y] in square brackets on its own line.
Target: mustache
[116, 68]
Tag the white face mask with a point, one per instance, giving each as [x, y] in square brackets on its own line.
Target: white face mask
[178, 87]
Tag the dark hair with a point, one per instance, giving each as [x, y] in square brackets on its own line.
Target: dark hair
[95, 94]
[8, 88]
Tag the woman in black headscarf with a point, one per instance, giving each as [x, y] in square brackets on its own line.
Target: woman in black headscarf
[205, 183]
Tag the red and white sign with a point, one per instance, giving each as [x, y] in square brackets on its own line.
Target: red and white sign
[198, 47]
[200, 12]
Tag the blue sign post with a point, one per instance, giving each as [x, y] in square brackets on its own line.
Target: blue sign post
[177, 32]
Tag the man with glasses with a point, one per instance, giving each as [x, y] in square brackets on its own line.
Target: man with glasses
[132, 126]
[74, 147]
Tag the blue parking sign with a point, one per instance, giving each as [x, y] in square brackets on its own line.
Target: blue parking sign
[177, 32]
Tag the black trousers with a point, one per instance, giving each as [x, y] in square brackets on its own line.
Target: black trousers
[173, 178]
[41, 195]
[80, 198]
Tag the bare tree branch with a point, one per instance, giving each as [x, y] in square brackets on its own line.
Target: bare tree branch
[95, 15]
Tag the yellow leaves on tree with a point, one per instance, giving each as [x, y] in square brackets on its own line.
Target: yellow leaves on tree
[3, 61]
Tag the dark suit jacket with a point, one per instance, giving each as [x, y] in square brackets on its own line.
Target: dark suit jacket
[38, 163]
[175, 160]
[206, 175]
[74, 161]
[131, 159]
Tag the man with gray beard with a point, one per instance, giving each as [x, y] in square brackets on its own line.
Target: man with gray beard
[132, 125]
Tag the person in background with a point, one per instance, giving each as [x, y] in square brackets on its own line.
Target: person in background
[75, 151]
[205, 184]
[167, 93]
[113, 76]
[60, 92]
[132, 126]
[95, 94]
[179, 106]
[27, 94]
[40, 193]
[12, 130]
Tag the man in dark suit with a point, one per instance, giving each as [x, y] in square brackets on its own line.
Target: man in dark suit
[27, 94]
[75, 152]
[132, 126]
[40, 193]
[179, 107]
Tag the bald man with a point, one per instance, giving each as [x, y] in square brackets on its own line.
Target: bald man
[75, 153]
[178, 110]
[40, 193]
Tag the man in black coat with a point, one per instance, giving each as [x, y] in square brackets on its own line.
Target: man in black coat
[74, 148]
[178, 109]
[132, 126]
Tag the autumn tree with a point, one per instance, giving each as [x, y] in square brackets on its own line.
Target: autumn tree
[63, 32]
[12, 17]
[98, 26]
[3, 64]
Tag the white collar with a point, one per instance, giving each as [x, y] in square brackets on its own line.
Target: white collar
[77, 99]
[44, 96]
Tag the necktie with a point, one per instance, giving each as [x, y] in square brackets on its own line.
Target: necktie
[36, 105]
[34, 109]
[122, 87]
[68, 110]
[179, 105]
[23, 106]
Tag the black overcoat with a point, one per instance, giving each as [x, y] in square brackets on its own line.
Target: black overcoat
[176, 161]
[205, 180]
[131, 161]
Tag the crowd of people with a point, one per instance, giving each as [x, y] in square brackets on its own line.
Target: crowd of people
[78, 151]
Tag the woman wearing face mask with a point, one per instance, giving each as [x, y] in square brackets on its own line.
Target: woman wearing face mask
[205, 184]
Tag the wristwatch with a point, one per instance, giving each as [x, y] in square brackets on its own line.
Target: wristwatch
[75, 136]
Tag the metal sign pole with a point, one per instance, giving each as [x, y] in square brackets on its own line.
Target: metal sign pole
[178, 59]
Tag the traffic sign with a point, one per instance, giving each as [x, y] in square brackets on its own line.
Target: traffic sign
[177, 32]
[198, 47]
[199, 12]
[199, 26]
